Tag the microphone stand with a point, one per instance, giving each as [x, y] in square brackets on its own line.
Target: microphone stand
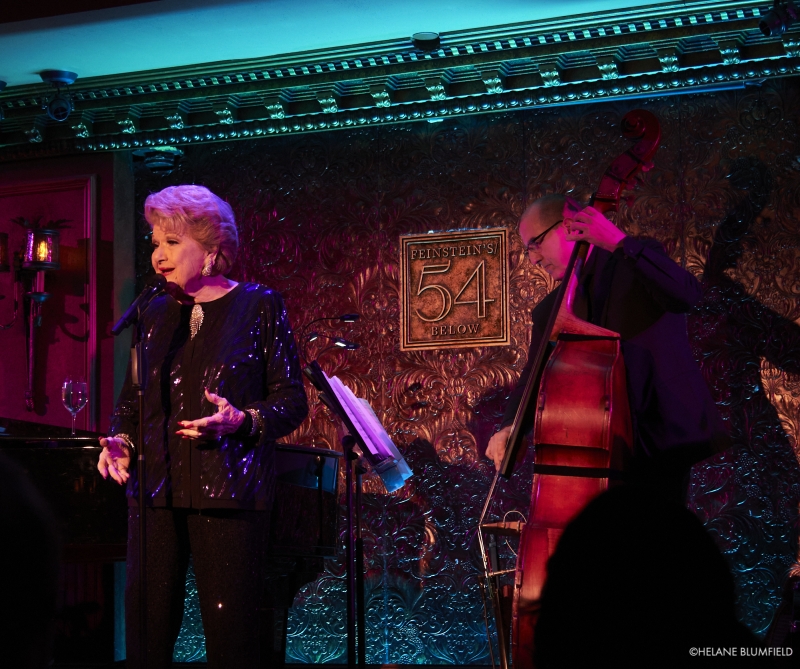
[356, 615]
[358, 567]
[352, 603]
[138, 377]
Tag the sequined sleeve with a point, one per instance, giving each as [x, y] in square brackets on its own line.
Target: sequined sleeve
[285, 405]
[124, 420]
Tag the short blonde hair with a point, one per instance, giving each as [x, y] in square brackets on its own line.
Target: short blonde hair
[552, 205]
[196, 211]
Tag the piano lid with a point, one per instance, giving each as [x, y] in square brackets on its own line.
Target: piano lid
[21, 432]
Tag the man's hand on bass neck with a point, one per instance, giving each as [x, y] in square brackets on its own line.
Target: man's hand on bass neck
[589, 225]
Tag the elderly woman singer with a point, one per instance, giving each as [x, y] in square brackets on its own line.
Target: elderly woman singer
[223, 383]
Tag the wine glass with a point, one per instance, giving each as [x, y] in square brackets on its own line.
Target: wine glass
[74, 397]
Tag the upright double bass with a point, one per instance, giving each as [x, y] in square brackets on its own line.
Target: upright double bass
[582, 431]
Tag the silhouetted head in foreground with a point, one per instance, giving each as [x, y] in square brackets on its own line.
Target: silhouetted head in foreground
[29, 556]
[637, 582]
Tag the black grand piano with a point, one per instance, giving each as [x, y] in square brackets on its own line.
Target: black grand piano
[93, 517]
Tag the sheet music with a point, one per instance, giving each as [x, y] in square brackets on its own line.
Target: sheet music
[383, 455]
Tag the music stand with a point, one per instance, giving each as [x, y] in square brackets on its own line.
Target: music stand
[366, 432]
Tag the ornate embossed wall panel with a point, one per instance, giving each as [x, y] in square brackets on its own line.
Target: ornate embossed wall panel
[743, 231]
[320, 217]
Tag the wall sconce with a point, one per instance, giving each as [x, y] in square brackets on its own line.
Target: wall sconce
[41, 249]
[40, 253]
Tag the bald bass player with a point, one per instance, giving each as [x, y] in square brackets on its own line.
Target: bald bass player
[632, 287]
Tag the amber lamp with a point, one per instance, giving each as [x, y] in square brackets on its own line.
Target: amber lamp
[41, 250]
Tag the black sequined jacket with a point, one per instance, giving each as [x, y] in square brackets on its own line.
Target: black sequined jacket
[245, 352]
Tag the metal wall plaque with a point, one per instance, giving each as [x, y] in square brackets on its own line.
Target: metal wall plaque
[454, 289]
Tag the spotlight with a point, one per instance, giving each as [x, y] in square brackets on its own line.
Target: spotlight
[779, 19]
[426, 41]
[160, 160]
[59, 106]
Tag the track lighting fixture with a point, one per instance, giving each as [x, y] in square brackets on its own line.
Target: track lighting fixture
[60, 105]
[779, 19]
[426, 41]
[160, 160]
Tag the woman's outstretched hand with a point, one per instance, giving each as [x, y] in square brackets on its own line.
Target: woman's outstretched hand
[226, 420]
[115, 458]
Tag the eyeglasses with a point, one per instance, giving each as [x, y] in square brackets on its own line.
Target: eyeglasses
[536, 243]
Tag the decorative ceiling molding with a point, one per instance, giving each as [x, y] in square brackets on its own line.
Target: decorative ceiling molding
[656, 50]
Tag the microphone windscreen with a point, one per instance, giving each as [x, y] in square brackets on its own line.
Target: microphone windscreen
[157, 281]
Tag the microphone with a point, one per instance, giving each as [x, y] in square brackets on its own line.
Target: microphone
[153, 287]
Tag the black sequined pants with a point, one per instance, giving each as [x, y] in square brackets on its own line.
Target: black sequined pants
[228, 550]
